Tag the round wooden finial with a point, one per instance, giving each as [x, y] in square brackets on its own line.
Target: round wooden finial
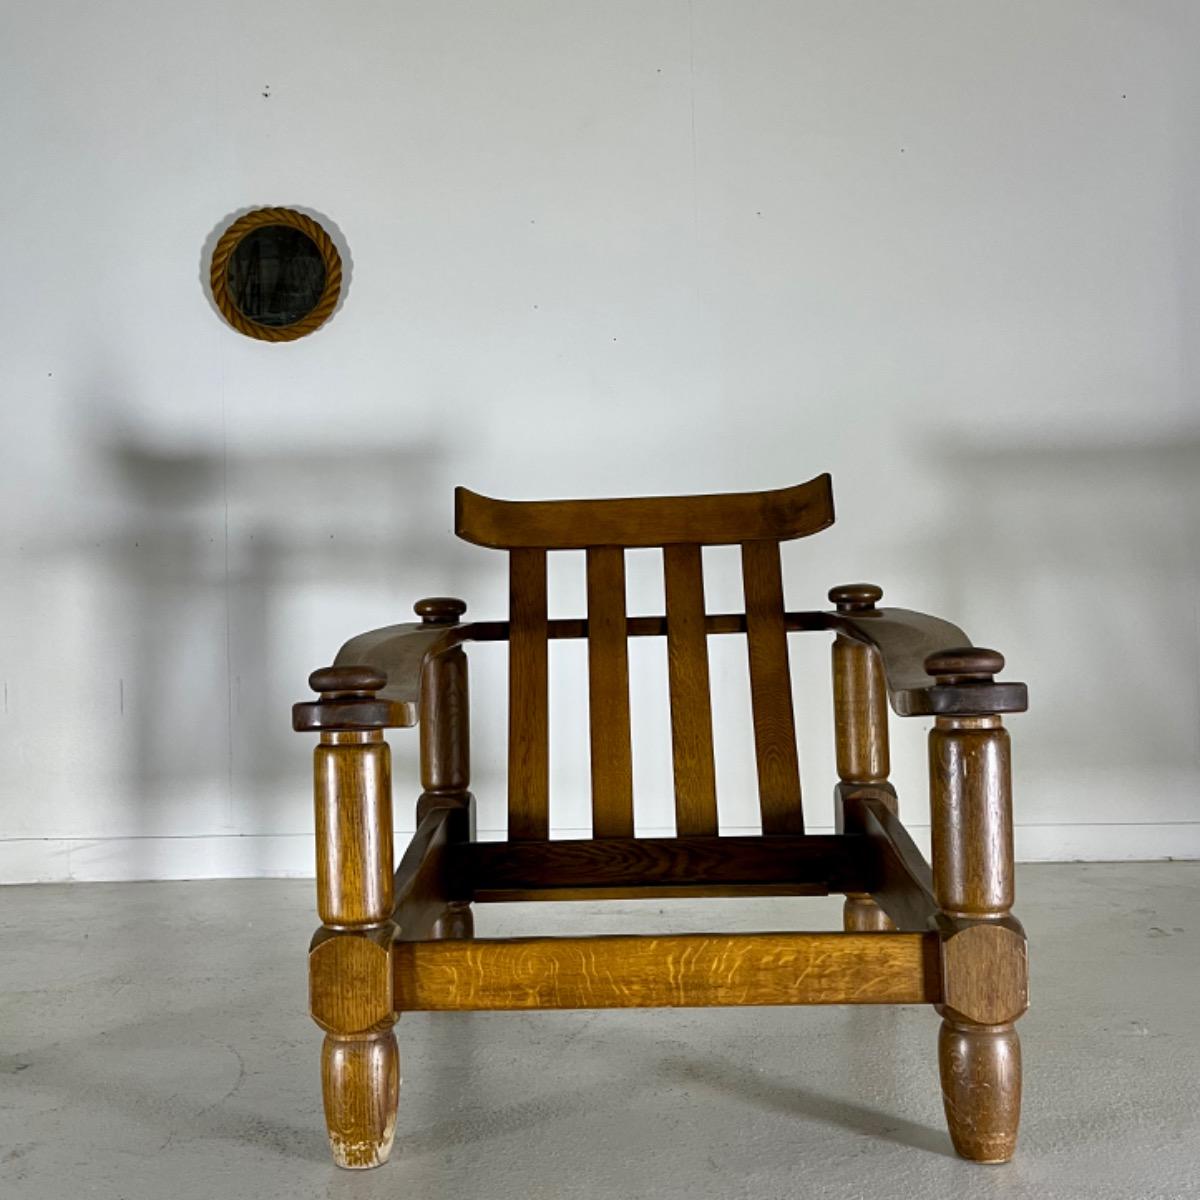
[964, 662]
[855, 597]
[440, 610]
[347, 679]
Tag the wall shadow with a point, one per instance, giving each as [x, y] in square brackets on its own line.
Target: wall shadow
[1082, 561]
[219, 581]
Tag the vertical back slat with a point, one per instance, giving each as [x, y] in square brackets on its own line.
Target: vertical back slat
[691, 706]
[608, 684]
[528, 699]
[771, 690]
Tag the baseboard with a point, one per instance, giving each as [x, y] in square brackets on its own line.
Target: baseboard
[290, 856]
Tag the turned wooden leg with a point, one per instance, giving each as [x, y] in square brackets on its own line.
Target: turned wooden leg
[861, 735]
[350, 978]
[360, 1078]
[983, 955]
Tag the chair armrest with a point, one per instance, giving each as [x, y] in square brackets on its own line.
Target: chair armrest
[905, 641]
[392, 661]
[400, 652]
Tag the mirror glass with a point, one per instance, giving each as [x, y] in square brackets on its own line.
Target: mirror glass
[276, 275]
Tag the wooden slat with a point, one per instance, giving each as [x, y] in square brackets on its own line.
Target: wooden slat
[646, 521]
[528, 699]
[608, 683]
[771, 690]
[830, 862]
[683, 970]
[691, 703]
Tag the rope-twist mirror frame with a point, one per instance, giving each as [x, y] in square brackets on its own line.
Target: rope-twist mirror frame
[228, 242]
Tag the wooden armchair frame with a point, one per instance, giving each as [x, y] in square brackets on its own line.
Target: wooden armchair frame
[394, 942]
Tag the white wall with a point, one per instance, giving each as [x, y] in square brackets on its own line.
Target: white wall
[948, 251]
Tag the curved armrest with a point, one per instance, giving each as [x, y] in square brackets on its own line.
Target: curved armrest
[386, 690]
[905, 640]
[400, 652]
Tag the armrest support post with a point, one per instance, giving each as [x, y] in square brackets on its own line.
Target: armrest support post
[860, 734]
[445, 719]
[859, 696]
[445, 732]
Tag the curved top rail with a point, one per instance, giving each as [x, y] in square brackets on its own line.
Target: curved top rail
[712, 520]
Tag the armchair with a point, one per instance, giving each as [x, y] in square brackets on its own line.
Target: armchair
[393, 941]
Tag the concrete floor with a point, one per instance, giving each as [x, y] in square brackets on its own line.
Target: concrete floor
[154, 1044]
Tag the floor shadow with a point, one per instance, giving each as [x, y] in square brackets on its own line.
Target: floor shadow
[775, 1096]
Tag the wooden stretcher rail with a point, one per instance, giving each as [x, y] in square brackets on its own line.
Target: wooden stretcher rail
[678, 971]
[815, 863]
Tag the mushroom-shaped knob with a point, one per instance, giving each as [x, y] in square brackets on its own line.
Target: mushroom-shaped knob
[855, 597]
[352, 680]
[965, 664]
[440, 610]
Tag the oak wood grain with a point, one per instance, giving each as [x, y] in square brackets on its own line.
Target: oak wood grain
[646, 521]
[776, 756]
[528, 699]
[823, 861]
[608, 694]
[360, 1080]
[981, 1089]
[691, 702]
[349, 983]
[353, 795]
[984, 971]
[860, 712]
[445, 727]
[982, 953]
[684, 970]
[860, 732]
[971, 807]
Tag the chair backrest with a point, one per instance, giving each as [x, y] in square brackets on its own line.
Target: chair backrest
[680, 526]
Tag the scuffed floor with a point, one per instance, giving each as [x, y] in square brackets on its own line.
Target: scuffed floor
[154, 1046]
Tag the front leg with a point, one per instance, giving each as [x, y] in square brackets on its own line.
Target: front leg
[984, 974]
[350, 979]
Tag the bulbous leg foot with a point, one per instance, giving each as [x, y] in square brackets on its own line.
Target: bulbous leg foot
[361, 1082]
[981, 1088]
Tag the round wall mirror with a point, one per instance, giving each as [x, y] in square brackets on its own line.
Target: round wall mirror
[276, 274]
